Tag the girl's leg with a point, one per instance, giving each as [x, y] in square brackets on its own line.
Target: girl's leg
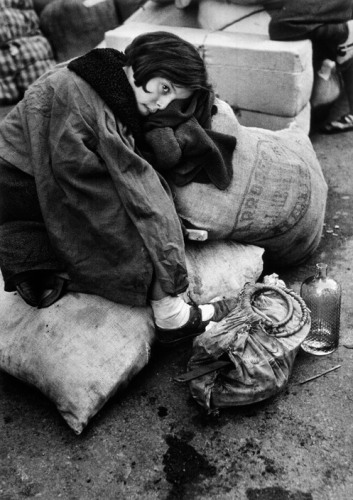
[172, 312]
[176, 320]
[26, 256]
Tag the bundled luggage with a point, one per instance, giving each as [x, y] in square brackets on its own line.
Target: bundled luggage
[25, 53]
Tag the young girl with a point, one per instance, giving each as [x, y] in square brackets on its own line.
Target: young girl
[81, 207]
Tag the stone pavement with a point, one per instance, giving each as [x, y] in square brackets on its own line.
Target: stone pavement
[154, 442]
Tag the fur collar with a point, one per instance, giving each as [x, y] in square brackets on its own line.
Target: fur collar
[103, 70]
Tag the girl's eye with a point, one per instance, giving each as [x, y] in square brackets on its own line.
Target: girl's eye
[165, 89]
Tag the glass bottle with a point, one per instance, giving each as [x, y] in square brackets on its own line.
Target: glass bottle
[322, 295]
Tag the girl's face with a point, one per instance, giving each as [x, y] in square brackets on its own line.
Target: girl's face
[159, 93]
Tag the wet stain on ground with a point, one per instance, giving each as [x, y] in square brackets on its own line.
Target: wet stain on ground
[162, 411]
[184, 465]
[276, 493]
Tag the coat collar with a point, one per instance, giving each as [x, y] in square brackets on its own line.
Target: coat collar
[103, 70]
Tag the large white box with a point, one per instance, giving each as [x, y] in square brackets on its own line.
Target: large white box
[275, 122]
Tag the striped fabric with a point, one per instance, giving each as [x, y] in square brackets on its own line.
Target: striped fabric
[17, 19]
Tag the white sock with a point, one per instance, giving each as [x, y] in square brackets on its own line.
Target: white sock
[173, 312]
[207, 311]
[170, 312]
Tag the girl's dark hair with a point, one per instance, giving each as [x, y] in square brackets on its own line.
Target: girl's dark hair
[163, 54]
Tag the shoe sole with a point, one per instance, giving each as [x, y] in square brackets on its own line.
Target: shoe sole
[179, 341]
[184, 338]
[336, 131]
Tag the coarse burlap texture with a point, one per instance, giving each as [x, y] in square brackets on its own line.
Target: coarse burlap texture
[84, 348]
[218, 268]
[277, 197]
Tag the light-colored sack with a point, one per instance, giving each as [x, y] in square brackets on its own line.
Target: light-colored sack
[84, 348]
[277, 196]
[218, 269]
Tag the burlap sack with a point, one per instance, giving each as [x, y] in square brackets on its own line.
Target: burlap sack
[277, 197]
[83, 349]
[219, 268]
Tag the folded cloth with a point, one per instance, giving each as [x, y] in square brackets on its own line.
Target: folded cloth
[183, 146]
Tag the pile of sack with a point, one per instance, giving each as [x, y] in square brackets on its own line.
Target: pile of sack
[83, 349]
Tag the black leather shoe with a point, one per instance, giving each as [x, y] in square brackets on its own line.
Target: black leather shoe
[29, 292]
[42, 289]
[195, 326]
[191, 329]
[54, 290]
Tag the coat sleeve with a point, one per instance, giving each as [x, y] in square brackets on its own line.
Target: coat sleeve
[147, 203]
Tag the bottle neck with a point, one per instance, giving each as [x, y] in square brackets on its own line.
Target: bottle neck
[321, 270]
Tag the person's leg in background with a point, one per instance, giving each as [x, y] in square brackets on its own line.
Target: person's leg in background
[335, 41]
[329, 26]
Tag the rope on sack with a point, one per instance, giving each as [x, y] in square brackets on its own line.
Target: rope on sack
[277, 329]
[240, 19]
[245, 314]
[201, 48]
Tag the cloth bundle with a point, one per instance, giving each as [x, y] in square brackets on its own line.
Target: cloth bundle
[25, 53]
[74, 27]
[249, 355]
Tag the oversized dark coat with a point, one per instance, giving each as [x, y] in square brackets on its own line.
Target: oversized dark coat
[76, 196]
